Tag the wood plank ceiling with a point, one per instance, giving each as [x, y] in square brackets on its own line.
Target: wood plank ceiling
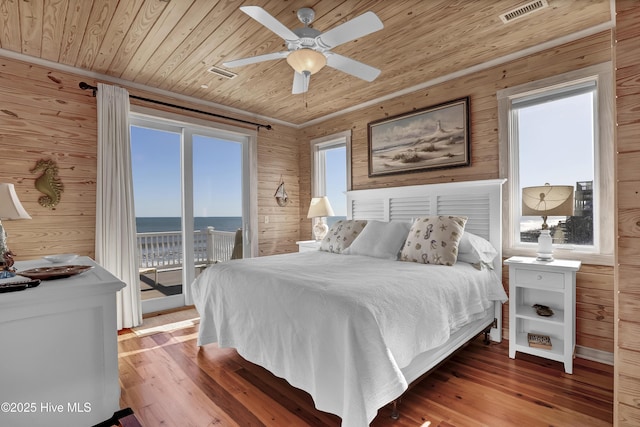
[170, 44]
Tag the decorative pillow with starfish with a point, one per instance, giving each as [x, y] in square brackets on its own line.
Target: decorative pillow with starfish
[434, 240]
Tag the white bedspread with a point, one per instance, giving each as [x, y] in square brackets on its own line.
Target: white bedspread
[339, 326]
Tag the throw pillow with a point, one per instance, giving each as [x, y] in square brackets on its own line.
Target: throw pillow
[341, 234]
[434, 240]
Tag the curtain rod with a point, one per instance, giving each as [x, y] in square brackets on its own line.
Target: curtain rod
[85, 86]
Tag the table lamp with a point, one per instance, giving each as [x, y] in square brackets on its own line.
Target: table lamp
[320, 208]
[545, 201]
[10, 208]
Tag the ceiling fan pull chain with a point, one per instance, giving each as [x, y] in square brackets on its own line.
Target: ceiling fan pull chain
[306, 76]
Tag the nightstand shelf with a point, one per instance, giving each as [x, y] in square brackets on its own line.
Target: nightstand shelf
[555, 353]
[549, 283]
[528, 312]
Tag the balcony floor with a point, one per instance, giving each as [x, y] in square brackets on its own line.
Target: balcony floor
[169, 283]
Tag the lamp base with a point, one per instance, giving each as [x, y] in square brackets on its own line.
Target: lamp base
[320, 229]
[6, 256]
[545, 246]
[6, 274]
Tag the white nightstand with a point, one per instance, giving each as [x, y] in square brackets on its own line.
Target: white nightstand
[552, 284]
[308, 245]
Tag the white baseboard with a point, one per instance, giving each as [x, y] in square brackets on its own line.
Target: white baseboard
[595, 355]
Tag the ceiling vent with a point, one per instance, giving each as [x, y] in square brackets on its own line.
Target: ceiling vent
[524, 10]
[222, 73]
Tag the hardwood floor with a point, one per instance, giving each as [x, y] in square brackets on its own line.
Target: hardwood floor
[168, 381]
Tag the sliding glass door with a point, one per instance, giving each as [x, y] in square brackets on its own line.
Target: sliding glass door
[190, 199]
[156, 163]
[217, 199]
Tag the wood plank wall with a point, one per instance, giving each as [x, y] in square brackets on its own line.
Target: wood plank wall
[627, 284]
[43, 114]
[594, 283]
[278, 158]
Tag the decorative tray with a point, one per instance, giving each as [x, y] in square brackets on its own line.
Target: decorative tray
[57, 272]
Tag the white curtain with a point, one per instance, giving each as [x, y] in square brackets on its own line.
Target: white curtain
[115, 213]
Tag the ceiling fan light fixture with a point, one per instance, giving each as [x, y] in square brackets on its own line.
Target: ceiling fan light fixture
[306, 60]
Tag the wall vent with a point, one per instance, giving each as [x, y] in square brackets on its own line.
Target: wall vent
[226, 74]
[524, 10]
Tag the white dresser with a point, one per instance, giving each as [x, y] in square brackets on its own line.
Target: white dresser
[58, 350]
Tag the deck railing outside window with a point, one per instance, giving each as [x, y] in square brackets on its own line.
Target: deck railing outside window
[163, 250]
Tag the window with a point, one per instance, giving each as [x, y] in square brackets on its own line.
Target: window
[560, 131]
[331, 171]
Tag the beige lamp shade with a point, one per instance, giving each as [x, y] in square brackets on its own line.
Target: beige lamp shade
[10, 206]
[547, 200]
[320, 207]
[307, 60]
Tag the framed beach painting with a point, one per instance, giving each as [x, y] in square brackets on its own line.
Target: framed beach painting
[430, 138]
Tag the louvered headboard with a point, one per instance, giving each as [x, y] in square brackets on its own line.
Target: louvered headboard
[480, 201]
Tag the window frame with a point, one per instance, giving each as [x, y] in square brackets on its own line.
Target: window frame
[318, 148]
[603, 226]
[318, 165]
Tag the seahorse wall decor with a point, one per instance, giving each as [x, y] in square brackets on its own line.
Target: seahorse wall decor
[48, 183]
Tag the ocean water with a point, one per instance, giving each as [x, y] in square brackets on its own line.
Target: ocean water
[220, 223]
[155, 224]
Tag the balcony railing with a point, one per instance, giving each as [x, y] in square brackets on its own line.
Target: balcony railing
[163, 250]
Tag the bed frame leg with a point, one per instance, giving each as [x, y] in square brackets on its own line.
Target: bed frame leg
[395, 412]
[486, 333]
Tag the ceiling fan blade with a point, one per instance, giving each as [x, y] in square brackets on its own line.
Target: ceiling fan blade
[263, 17]
[359, 26]
[255, 59]
[300, 83]
[351, 66]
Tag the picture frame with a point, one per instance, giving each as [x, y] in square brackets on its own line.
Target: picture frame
[435, 137]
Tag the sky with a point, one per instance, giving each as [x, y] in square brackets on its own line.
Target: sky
[217, 168]
[336, 180]
[549, 153]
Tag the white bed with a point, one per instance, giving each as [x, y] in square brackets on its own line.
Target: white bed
[351, 330]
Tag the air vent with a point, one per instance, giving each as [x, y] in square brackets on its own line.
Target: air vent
[222, 73]
[524, 10]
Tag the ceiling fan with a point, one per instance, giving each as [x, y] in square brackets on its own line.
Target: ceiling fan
[309, 49]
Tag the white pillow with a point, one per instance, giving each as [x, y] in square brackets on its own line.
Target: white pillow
[474, 249]
[380, 240]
